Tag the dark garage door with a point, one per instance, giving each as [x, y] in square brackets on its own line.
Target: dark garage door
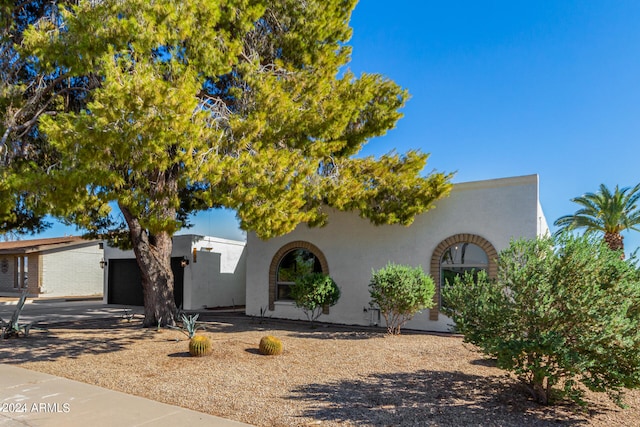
[125, 282]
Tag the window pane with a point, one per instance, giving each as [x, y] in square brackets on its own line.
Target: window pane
[294, 264]
[465, 254]
[459, 259]
[297, 263]
[284, 292]
[25, 272]
[449, 274]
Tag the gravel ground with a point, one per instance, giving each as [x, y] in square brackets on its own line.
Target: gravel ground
[326, 376]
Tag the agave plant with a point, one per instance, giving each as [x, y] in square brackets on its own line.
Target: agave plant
[189, 325]
[13, 328]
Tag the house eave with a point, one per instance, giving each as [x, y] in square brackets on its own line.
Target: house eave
[38, 248]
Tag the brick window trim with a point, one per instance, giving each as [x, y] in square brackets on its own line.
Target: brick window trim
[436, 259]
[275, 261]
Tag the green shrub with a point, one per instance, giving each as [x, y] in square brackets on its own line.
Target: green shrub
[400, 291]
[562, 312]
[312, 292]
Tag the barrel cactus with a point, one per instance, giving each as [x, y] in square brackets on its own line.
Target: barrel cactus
[270, 345]
[199, 345]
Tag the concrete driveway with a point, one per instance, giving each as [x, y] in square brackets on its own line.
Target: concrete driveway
[50, 311]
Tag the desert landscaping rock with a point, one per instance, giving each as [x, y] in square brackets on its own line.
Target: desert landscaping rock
[326, 376]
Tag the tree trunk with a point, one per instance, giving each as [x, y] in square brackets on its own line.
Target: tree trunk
[615, 242]
[541, 392]
[153, 254]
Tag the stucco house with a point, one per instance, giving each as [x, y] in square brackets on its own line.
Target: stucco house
[464, 232]
[54, 267]
[208, 272]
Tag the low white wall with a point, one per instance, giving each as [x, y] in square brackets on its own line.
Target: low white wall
[215, 278]
[218, 275]
[497, 210]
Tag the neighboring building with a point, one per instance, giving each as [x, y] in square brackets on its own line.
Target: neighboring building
[208, 272]
[464, 232]
[61, 266]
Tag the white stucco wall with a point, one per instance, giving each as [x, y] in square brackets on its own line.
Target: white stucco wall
[218, 275]
[543, 226]
[216, 278]
[71, 271]
[497, 210]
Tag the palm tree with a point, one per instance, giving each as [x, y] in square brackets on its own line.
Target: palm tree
[605, 212]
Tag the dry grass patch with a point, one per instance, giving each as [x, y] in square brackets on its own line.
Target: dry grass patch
[326, 376]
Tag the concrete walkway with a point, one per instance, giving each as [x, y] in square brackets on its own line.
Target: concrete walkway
[29, 398]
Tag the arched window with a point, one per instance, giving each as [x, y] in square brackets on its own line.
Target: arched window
[294, 264]
[456, 255]
[460, 259]
[290, 262]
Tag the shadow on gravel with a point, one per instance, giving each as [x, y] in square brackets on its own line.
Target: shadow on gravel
[184, 354]
[427, 398]
[42, 346]
[337, 335]
[293, 328]
[489, 363]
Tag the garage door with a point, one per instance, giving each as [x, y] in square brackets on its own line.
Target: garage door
[125, 282]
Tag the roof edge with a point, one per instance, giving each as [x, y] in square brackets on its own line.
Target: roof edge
[43, 245]
[497, 182]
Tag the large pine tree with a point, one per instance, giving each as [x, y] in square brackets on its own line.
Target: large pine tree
[25, 94]
[194, 104]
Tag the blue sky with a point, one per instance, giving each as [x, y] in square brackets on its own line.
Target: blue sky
[505, 88]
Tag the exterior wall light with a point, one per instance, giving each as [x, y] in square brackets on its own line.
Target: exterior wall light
[103, 263]
[184, 262]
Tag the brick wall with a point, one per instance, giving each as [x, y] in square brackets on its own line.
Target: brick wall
[7, 272]
[71, 272]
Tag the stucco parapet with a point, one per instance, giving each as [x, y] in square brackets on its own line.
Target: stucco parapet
[496, 183]
[199, 240]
